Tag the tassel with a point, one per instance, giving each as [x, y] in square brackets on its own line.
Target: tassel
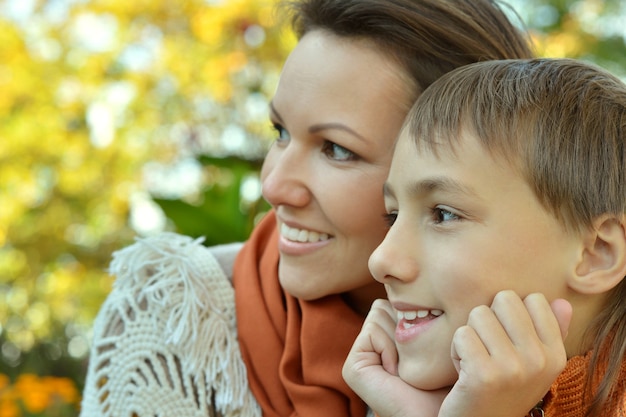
[197, 304]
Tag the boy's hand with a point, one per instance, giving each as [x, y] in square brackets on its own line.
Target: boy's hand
[371, 370]
[507, 356]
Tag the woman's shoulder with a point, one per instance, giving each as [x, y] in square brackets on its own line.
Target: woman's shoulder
[170, 316]
[171, 256]
[177, 280]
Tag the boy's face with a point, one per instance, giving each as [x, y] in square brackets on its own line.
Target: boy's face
[466, 227]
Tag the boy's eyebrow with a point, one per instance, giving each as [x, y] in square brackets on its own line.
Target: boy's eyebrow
[445, 184]
[387, 190]
[322, 126]
[429, 185]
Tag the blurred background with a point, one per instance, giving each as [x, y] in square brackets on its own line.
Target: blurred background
[123, 118]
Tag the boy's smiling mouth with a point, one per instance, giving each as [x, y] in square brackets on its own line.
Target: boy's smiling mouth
[410, 318]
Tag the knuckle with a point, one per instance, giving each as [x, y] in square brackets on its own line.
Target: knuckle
[379, 303]
[478, 312]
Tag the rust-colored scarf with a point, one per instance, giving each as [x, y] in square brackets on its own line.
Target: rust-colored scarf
[294, 350]
[567, 396]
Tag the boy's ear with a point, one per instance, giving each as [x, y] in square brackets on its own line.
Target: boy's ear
[603, 262]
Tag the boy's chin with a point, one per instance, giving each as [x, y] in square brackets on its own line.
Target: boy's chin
[423, 380]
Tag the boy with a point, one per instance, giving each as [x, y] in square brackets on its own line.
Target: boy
[508, 179]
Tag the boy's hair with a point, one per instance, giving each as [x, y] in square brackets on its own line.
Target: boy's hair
[428, 37]
[562, 124]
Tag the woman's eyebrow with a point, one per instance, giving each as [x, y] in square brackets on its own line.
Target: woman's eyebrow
[321, 126]
[337, 126]
[275, 112]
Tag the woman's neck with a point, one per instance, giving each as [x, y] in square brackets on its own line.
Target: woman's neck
[361, 299]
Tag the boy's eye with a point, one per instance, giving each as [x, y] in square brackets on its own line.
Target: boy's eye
[281, 133]
[337, 152]
[441, 215]
[390, 218]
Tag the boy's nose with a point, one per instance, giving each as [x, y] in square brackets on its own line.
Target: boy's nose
[394, 259]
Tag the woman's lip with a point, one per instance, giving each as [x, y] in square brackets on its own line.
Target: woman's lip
[296, 239]
[297, 225]
[285, 230]
[288, 247]
[402, 306]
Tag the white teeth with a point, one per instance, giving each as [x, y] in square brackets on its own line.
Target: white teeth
[408, 315]
[301, 235]
[421, 314]
[291, 234]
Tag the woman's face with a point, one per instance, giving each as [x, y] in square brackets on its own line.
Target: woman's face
[338, 108]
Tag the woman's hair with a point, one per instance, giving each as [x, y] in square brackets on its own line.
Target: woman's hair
[427, 37]
[562, 124]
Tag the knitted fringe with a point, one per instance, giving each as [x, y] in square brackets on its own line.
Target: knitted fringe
[196, 301]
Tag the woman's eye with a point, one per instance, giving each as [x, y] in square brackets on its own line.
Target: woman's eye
[281, 133]
[390, 218]
[337, 152]
[441, 215]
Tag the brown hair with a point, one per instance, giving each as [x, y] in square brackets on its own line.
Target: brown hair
[428, 37]
[562, 124]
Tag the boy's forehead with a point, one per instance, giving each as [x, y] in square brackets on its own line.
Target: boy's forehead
[450, 146]
[442, 144]
[463, 166]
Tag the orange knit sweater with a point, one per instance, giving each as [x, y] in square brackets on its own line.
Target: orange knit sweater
[566, 397]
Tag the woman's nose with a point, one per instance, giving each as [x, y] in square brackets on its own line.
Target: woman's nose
[285, 177]
[395, 259]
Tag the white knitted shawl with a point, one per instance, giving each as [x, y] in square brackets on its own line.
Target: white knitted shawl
[165, 340]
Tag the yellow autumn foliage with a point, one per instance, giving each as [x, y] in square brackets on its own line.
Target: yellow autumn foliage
[87, 100]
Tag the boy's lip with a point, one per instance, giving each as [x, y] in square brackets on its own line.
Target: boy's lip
[413, 320]
[402, 306]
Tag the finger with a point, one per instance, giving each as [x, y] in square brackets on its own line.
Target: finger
[512, 312]
[562, 310]
[386, 347]
[383, 313]
[468, 350]
[546, 324]
[374, 346]
[487, 323]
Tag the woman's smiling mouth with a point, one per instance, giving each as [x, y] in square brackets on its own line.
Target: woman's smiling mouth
[301, 235]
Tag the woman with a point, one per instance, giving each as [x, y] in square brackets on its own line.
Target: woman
[166, 338]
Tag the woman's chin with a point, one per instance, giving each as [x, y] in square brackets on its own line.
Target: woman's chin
[302, 289]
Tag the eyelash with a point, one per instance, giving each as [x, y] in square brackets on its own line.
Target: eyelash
[279, 130]
[390, 218]
[436, 212]
[329, 148]
[439, 212]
